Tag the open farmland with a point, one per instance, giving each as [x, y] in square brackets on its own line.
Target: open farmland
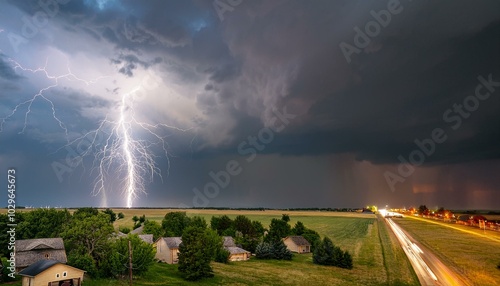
[378, 259]
[472, 252]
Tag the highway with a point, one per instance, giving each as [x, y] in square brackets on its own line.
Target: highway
[430, 270]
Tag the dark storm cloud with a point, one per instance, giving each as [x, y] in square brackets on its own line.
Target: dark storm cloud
[6, 70]
[267, 55]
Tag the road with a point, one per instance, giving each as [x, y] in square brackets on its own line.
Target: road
[430, 270]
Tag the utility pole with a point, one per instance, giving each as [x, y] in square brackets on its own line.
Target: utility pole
[130, 261]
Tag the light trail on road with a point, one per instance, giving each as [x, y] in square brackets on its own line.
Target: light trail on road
[429, 269]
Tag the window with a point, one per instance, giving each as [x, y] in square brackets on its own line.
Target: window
[58, 275]
[46, 255]
[65, 273]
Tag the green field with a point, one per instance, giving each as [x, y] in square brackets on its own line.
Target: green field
[378, 259]
[471, 252]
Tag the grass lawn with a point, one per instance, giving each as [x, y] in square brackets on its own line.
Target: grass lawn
[471, 252]
[377, 256]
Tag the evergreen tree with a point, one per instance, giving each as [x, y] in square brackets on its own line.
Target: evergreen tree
[264, 250]
[280, 251]
[194, 256]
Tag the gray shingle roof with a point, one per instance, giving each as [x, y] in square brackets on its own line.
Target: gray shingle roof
[235, 250]
[138, 230]
[38, 267]
[228, 241]
[29, 251]
[299, 240]
[173, 242]
[146, 238]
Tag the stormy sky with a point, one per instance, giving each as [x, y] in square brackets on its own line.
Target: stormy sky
[243, 103]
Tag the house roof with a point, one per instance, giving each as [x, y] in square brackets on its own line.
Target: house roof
[146, 238]
[236, 250]
[228, 241]
[39, 243]
[138, 230]
[40, 266]
[173, 242]
[298, 240]
[29, 251]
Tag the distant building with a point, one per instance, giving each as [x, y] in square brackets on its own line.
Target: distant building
[29, 251]
[297, 244]
[148, 238]
[167, 249]
[235, 253]
[51, 273]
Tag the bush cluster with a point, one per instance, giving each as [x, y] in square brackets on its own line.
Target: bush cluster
[276, 250]
[326, 253]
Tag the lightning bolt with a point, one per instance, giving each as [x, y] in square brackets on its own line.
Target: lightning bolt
[118, 154]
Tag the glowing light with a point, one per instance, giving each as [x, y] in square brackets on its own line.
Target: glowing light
[119, 153]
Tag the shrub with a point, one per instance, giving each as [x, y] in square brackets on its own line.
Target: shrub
[280, 251]
[326, 253]
[124, 229]
[84, 262]
[264, 250]
[222, 255]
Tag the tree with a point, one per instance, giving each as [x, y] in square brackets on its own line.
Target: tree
[85, 212]
[299, 228]
[223, 225]
[222, 255]
[277, 230]
[423, 209]
[174, 223]
[111, 213]
[89, 235]
[83, 261]
[194, 256]
[244, 225]
[154, 228]
[42, 223]
[281, 252]
[121, 216]
[198, 221]
[326, 253]
[142, 219]
[285, 217]
[312, 237]
[264, 250]
[117, 262]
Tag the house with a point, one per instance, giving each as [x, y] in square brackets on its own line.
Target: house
[297, 244]
[138, 230]
[51, 273]
[235, 253]
[29, 251]
[167, 249]
[148, 238]
[228, 241]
